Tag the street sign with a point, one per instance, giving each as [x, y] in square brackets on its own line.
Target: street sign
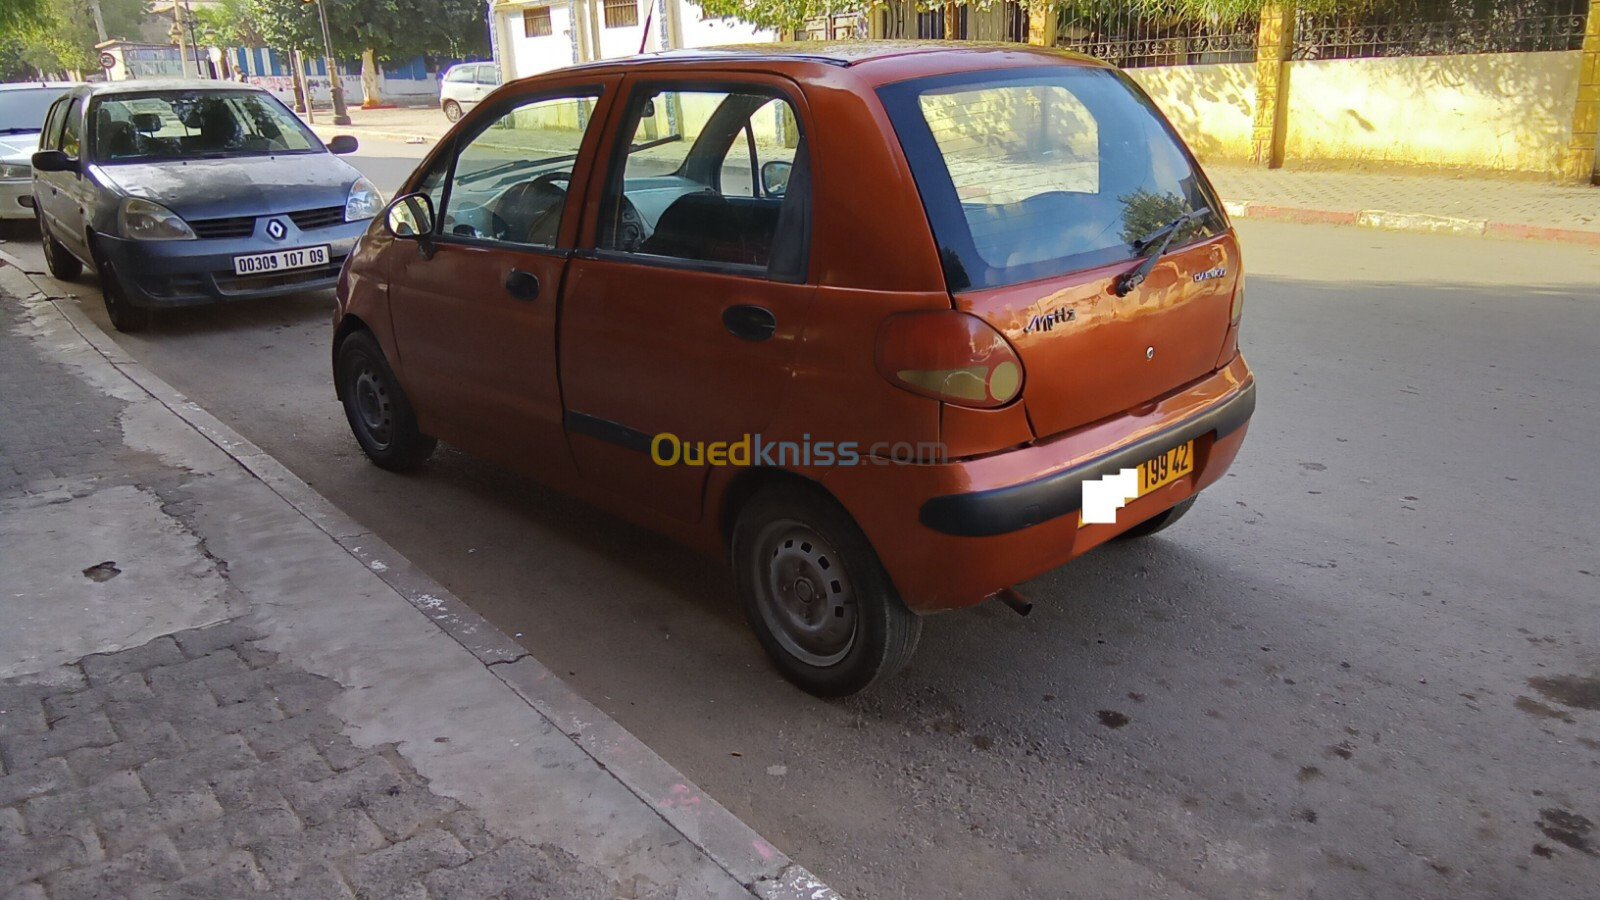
[107, 60]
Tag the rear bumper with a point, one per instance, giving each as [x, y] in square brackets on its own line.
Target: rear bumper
[191, 273]
[16, 199]
[952, 534]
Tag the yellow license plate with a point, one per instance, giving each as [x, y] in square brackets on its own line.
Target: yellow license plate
[1162, 470]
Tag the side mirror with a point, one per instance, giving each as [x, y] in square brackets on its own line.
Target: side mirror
[342, 144]
[649, 111]
[411, 218]
[54, 161]
[775, 177]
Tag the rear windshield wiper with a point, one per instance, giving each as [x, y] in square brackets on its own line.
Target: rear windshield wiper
[1164, 234]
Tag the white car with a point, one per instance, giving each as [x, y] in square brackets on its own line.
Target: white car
[22, 110]
[464, 85]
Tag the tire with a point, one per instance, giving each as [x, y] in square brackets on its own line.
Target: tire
[1159, 522]
[452, 110]
[125, 317]
[380, 416]
[58, 259]
[796, 534]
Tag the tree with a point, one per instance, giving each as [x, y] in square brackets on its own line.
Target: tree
[62, 36]
[230, 23]
[377, 30]
[16, 15]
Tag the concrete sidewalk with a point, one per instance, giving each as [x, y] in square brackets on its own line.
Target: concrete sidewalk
[1441, 204]
[213, 683]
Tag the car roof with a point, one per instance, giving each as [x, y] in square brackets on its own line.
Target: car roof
[139, 86]
[876, 61]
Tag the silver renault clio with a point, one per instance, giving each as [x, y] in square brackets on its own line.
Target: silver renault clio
[189, 192]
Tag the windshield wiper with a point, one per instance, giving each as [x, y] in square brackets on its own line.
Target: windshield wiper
[1164, 234]
[655, 143]
[504, 167]
[13, 130]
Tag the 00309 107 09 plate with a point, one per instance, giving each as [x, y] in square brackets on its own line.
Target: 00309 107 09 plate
[1160, 470]
[280, 260]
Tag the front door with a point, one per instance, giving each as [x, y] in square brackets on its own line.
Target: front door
[682, 315]
[63, 195]
[475, 323]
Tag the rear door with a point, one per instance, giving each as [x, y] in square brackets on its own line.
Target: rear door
[682, 314]
[1043, 187]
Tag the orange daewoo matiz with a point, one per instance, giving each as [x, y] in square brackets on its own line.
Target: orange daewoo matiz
[893, 326]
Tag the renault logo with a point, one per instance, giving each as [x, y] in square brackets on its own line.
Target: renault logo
[276, 229]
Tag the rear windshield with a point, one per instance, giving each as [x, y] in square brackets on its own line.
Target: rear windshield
[1029, 173]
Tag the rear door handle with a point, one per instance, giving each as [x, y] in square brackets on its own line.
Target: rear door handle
[752, 323]
[522, 285]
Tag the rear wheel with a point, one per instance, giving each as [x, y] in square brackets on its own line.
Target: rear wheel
[814, 592]
[452, 110]
[58, 259]
[124, 316]
[380, 415]
[1160, 521]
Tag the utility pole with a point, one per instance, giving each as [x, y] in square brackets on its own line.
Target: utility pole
[177, 32]
[194, 43]
[335, 83]
[99, 20]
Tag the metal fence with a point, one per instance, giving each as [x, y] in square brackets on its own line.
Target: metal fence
[1434, 27]
[1119, 35]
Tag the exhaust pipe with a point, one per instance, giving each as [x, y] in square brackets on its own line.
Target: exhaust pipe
[1011, 598]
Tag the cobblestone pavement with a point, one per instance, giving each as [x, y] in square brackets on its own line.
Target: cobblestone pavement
[199, 765]
[1513, 202]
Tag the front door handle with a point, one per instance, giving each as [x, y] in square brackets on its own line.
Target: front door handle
[522, 285]
[753, 323]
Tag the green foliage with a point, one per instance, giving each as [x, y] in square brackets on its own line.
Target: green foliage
[793, 14]
[393, 29]
[62, 37]
[16, 15]
[230, 23]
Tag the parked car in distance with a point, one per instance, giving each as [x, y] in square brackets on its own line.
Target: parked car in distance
[190, 192]
[23, 106]
[890, 327]
[464, 85]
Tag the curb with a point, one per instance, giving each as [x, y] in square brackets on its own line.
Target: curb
[723, 837]
[379, 134]
[1416, 223]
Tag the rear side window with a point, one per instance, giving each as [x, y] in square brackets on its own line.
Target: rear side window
[1031, 173]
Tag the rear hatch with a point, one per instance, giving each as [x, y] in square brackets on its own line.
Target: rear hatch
[1045, 188]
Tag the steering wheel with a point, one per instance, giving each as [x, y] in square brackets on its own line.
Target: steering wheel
[543, 194]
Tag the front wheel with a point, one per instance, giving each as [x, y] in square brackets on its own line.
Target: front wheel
[816, 595]
[62, 264]
[124, 316]
[380, 415]
[452, 110]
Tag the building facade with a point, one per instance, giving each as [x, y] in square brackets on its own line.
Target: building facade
[532, 36]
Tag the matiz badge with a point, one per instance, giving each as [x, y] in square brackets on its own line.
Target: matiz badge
[1209, 274]
[1049, 320]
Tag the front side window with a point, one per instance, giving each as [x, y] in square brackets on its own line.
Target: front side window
[50, 138]
[72, 129]
[1031, 173]
[715, 177]
[510, 181]
[196, 124]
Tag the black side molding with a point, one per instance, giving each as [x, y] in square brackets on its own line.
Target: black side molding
[607, 430]
[1013, 508]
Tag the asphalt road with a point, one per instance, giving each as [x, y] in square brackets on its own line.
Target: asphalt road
[1367, 664]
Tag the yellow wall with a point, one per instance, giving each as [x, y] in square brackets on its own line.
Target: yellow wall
[1502, 111]
[1212, 106]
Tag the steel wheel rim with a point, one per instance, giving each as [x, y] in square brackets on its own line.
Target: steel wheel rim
[372, 406]
[804, 594]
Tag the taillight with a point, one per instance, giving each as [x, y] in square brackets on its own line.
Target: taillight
[950, 356]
